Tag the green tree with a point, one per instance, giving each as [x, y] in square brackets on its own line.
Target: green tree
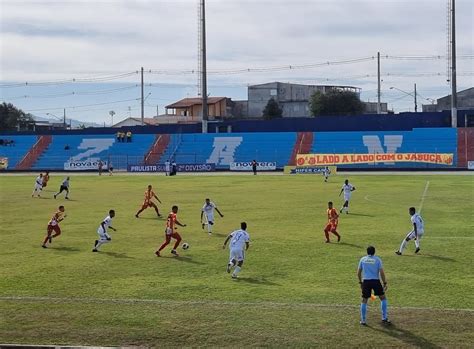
[12, 118]
[335, 102]
[272, 110]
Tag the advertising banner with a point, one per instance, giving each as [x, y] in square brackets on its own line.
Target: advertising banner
[82, 165]
[181, 168]
[3, 163]
[247, 166]
[470, 165]
[351, 159]
[309, 169]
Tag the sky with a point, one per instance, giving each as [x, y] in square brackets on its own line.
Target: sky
[85, 56]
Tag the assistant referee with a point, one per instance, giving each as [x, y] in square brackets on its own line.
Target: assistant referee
[369, 273]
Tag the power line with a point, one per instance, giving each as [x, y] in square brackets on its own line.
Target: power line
[76, 93]
[85, 105]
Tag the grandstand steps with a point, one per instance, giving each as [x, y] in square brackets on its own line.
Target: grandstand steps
[157, 149]
[34, 153]
[303, 144]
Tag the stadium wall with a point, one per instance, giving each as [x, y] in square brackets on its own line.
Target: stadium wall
[429, 148]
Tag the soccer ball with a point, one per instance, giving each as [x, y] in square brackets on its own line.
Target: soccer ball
[185, 246]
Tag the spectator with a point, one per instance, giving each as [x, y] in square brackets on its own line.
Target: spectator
[129, 136]
[174, 169]
[167, 168]
[122, 137]
[100, 165]
[254, 167]
[66, 147]
[118, 136]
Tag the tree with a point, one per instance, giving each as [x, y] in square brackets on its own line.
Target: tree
[272, 110]
[12, 118]
[335, 102]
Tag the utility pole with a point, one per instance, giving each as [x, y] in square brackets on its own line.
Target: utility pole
[416, 104]
[454, 100]
[157, 112]
[205, 111]
[65, 126]
[378, 83]
[143, 101]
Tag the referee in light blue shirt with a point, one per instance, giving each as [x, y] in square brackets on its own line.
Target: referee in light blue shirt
[369, 273]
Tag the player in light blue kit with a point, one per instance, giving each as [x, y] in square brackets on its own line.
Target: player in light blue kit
[369, 273]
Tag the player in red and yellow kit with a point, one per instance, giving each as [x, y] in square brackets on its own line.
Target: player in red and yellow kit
[171, 232]
[53, 225]
[148, 202]
[331, 226]
[45, 179]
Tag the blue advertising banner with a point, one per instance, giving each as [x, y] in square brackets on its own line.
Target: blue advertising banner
[181, 168]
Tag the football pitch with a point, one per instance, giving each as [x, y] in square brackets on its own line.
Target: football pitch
[294, 290]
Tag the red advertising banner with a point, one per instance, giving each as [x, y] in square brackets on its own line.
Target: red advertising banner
[350, 159]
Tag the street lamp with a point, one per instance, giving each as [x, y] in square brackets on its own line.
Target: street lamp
[414, 94]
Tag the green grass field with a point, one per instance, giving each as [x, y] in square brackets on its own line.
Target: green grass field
[294, 290]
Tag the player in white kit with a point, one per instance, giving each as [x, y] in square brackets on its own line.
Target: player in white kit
[347, 189]
[326, 173]
[208, 211]
[104, 237]
[38, 186]
[238, 239]
[417, 232]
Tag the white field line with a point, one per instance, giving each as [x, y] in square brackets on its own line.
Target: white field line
[423, 197]
[264, 304]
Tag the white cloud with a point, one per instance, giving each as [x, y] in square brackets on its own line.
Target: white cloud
[47, 40]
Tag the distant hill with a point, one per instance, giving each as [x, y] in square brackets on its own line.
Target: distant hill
[74, 123]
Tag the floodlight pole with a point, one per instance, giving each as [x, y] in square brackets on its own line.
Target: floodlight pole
[379, 109]
[205, 111]
[454, 100]
[142, 100]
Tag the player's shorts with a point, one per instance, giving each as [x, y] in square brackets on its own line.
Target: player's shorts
[147, 204]
[411, 235]
[347, 197]
[45, 184]
[236, 254]
[103, 234]
[369, 285]
[209, 218]
[54, 228]
[63, 188]
[38, 187]
[330, 227]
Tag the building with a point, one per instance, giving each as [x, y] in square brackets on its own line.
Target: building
[371, 108]
[465, 101]
[292, 98]
[218, 108]
[128, 122]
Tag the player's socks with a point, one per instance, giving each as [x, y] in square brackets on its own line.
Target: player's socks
[338, 236]
[402, 246]
[384, 307]
[46, 239]
[417, 244]
[236, 271]
[363, 312]
[327, 236]
[96, 242]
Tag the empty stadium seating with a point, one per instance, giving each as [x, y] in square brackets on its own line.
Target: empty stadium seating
[16, 152]
[84, 147]
[222, 149]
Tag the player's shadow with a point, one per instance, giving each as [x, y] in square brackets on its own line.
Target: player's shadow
[406, 336]
[360, 214]
[152, 218]
[117, 255]
[66, 249]
[257, 281]
[439, 258]
[220, 235]
[187, 259]
[349, 245]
